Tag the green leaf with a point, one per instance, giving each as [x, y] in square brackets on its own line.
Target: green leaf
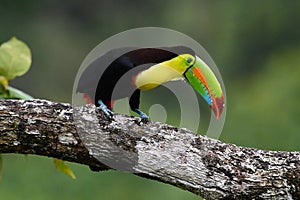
[1, 168]
[15, 58]
[17, 94]
[62, 167]
[3, 82]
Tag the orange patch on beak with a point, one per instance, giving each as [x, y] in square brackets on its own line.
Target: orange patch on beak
[217, 103]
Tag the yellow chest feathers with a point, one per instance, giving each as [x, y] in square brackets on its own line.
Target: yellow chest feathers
[156, 75]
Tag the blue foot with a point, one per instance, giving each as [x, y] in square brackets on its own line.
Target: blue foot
[103, 107]
[141, 114]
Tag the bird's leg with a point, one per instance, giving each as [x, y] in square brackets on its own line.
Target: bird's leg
[134, 103]
[141, 114]
[103, 107]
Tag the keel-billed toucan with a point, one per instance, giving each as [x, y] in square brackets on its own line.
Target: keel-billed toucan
[124, 72]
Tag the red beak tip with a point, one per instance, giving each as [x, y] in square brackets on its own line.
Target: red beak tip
[216, 111]
[218, 107]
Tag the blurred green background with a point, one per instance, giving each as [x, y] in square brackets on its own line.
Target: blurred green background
[255, 44]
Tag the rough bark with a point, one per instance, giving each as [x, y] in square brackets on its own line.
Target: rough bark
[154, 150]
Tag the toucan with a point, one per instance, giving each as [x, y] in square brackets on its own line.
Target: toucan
[126, 71]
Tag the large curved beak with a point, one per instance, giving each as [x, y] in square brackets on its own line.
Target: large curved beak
[203, 80]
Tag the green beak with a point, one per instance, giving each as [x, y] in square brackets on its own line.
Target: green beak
[203, 80]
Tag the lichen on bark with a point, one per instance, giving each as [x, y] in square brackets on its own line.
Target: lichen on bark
[153, 150]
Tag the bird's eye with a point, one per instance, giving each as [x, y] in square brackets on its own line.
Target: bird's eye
[189, 60]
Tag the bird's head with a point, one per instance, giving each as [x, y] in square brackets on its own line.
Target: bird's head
[204, 81]
[194, 70]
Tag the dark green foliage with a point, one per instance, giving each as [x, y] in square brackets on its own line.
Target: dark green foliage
[255, 44]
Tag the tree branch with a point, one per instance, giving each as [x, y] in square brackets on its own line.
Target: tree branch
[154, 150]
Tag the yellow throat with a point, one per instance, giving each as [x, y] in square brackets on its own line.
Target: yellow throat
[161, 73]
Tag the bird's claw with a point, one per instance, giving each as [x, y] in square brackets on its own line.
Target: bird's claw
[106, 111]
[145, 120]
[143, 116]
